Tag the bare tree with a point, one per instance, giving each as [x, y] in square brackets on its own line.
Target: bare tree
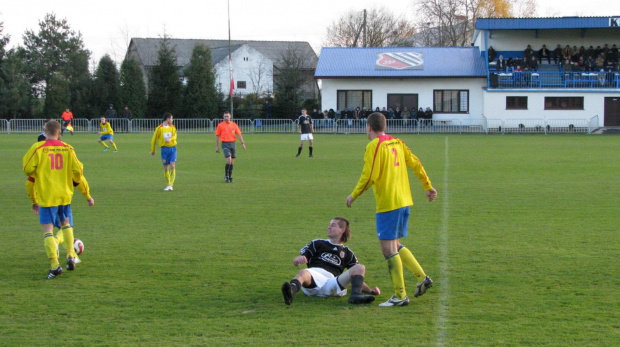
[377, 27]
[452, 22]
[258, 74]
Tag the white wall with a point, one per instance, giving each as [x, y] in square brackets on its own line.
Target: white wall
[423, 87]
[245, 70]
[495, 106]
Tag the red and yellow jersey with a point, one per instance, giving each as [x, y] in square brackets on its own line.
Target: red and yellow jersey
[385, 170]
[106, 129]
[166, 135]
[83, 187]
[227, 131]
[53, 166]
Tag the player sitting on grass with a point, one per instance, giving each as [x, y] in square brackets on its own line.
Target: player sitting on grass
[327, 260]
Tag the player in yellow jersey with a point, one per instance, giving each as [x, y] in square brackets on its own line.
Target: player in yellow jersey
[166, 135]
[107, 133]
[54, 167]
[385, 170]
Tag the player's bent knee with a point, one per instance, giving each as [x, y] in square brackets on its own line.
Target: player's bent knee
[358, 269]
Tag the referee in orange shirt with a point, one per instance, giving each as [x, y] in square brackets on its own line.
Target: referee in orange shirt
[227, 132]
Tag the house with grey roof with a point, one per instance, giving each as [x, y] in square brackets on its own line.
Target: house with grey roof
[256, 64]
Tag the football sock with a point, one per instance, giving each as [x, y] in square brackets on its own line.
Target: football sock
[103, 144]
[58, 237]
[67, 236]
[299, 150]
[395, 265]
[167, 176]
[226, 170]
[296, 285]
[173, 175]
[411, 263]
[230, 169]
[114, 145]
[356, 283]
[310, 150]
[51, 249]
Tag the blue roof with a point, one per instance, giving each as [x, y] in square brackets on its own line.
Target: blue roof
[611, 22]
[346, 62]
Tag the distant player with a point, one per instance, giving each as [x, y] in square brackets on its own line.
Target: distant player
[107, 133]
[67, 116]
[54, 167]
[227, 132]
[305, 128]
[327, 260]
[385, 170]
[166, 135]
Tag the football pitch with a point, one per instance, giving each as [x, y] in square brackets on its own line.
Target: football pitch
[523, 244]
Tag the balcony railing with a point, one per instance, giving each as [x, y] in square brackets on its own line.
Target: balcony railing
[556, 79]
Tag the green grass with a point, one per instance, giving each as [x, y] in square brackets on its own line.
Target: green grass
[522, 244]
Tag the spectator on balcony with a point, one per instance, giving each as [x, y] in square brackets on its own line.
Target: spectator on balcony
[501, 64]
[590, 64]
[557, 54]
[405, 115]
[527, 53]
[331, 114]
[532, 64]
[613, 53]
[600, 61]
[610, 66]
[582, 64]
[544, 53]
[567, 66]
[510, 62]
[567, 53]
[492, 54]
[605, 49]
[398, 113]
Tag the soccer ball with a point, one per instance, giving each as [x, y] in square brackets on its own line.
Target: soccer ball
[78, 246]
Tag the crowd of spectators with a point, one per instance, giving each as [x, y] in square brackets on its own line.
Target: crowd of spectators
[358, 113]
[568, 58]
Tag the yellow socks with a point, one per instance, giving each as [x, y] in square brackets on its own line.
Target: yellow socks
[58, 237]
[51, 249]
[67, 235]
[395, 266]
[103, 144]
[167, 176]
[411, 263]
[114, 145]
[173, 175]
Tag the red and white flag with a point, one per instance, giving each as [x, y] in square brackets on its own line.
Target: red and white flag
[232, 79]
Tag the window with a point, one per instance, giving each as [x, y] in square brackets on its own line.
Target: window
[240, 84]
[564, 103]
[354, 98]
[402, 100]
[451, 101]
[516, 102]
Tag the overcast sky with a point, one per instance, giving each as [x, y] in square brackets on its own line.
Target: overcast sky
[107, 25]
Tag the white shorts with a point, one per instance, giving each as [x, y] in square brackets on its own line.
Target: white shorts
[326, 284]
[306, 137]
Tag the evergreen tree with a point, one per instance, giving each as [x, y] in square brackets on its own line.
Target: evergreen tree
[166, 87]
[200, 97]
[56, 49]
[133, 90]
[289, 80]
[57, 95]
[106, 84]
[16, 99]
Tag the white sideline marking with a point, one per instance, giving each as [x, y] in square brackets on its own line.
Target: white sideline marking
[444, 264]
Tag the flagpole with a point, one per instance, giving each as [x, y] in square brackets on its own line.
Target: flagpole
[230, 65]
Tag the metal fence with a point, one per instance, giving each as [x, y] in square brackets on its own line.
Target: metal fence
[543, 126]
[323, 126]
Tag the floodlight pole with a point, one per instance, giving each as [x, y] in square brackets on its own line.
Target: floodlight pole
[230, 94]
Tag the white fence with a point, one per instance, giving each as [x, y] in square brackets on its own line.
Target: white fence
[543, 126]
[323, 126]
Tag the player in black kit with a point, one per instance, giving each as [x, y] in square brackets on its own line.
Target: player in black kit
[325, 276]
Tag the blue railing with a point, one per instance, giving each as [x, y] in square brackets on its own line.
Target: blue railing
[556, 79]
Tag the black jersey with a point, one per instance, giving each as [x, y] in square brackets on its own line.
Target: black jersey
[304, 123]
[329, 256]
